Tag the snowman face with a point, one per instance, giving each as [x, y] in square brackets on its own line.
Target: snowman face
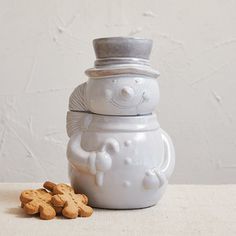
[122, 95]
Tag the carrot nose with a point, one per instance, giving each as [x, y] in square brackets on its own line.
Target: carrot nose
[127, 92]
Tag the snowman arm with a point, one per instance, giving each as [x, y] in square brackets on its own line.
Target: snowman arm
[78, 157]
[158, 176]
[95, 162]
[168, 164]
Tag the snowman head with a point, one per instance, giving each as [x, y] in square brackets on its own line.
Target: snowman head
[122, 81]
[122, 95]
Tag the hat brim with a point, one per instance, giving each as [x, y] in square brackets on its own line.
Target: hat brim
[110, 71]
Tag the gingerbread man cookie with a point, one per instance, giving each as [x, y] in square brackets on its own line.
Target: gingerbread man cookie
[38, 201]
[72, 204]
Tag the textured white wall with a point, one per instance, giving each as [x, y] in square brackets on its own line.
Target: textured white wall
[46, 45]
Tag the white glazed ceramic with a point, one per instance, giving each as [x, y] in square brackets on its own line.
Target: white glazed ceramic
[119, 162]
[117, 153]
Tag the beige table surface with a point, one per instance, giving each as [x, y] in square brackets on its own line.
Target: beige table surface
[184, 210]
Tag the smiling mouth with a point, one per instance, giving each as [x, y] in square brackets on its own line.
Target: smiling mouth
[114, 103]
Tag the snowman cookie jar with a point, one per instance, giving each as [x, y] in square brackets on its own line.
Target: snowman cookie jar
[118, 154]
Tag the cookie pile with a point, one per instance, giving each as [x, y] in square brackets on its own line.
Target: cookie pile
[55, 199]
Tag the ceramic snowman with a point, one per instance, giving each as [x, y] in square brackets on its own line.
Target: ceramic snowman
[118, 154]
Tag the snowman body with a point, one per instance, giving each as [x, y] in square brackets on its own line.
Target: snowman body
[118, 154]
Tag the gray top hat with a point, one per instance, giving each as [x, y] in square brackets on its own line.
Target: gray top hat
[122, 55]
[122, 47]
